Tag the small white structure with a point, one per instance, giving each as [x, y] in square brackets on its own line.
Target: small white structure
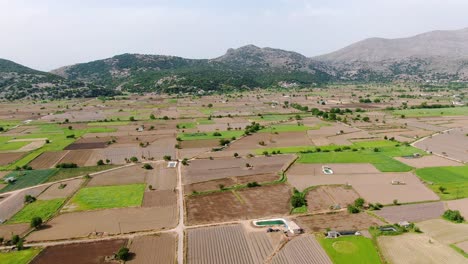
[10, 179]
[397, 182]
[172, 164]
[294, 228]
[327, 170]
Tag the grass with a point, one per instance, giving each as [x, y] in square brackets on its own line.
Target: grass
[205, 121]
[278, 117]
[63, 174]
[209, 135]
[27, 178]
[42, 208]
[108, 197]
[187, 125]
[286, 128]
[454, 179]
[299, 210]
[7, 146]
[452, 111]
[459, 250]
[351, 249]
[19, 257]
[111, 123]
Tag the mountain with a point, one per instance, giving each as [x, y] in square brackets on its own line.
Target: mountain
[243, 68]
[435, 56]
[18, 81]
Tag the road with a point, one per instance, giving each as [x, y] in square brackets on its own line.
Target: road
[181, 226]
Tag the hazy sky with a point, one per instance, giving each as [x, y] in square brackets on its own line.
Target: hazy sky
[46, 34]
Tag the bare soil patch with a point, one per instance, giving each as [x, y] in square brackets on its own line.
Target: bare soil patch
[47, 159]
[337, 221]
[304, 249]
[205, 170]
[55, 191]
[247, 203]
[226, 182]
[7, 158]
[123, 176]
[460, 205]
[159, 198]
[271, 140]
[209, 143]
[79, 157]
[107, 222]
[414, 248]
[452, 144]
[7, 231]
[429, 161]
[412, 212]
[324, 197]
[445, 231]
[13, 203]
[79, 253]
[153, 249]
[90, 145]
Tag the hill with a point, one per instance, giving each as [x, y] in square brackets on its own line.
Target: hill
[433, 56]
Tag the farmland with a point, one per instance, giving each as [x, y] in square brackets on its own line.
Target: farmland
[454, 179]
[19, 257]
[41, 208]
[303, 249]
[91, 198]
[28, 178]
[351, 249]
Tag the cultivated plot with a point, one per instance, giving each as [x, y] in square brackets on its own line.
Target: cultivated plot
[302, 250]
[159, 248]
[412, 212]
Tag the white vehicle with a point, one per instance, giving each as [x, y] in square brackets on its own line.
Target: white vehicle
[327, 170]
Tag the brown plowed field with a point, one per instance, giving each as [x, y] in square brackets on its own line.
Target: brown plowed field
[337, 221]
[452, 144]
[111, 221]
[460, 205]
[323, 197]
[157, 249]
[205, 170]
[164, 178]
[415, 249]
[444, 231]
[90, 145]
[429, 161]
[271, 140]
[214, 185]
[302, 250]
[209, 143]
[412, 212]
[7, 231]
[7, 158]
[159, 198]
[249, 203]
[79, 253]
[123, 176]
[54, 192]
[77, 156]
[224, 244]
[47, 159]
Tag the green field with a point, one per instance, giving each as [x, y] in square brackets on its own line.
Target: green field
[63, 174]
[209, 135]
[452, 111]
[42, 208]
[27, 178]
[7, 146]
[454, 179]
[108, 197]
[187, 125]
[279, 117]
[351, 249]
[19, 257]
[113, 123]
[286, 128]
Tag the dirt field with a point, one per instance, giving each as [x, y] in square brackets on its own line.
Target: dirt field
[452, 144]
[209, 143]
[444, 231]
[271, 140]
[322, 198]
[47, 159]
[80, 157]
[205, 170]
[429, 161]
[159, 198]
[337, 221]
[372, 186]
[460, 205]
[7, 231]
[415, 249]
[123, 176]
[54, 192]
[158, 249]
[412, 212]
[165, 178]
[7, 158]
[214, 184]
[248, 203]
[90, 145]
[302, 250]
[13, 203]
[79, 253]
[111, 221]
[463, 246]
[230, 244]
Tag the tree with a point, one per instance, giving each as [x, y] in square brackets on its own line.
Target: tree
[19, 245]
[167, 157]
[236, 155]
[15, 239]
[353, 209]
[100, 162]
[36, 222]
[152, 117]
[454, 216]
[442, 189]
[147, 166]
[185, 162]
[365, 119]
[132, 118]
[123, 254]
[29, 199]
[210, 105]
[134, 159]
[359, 202]
[217, 134]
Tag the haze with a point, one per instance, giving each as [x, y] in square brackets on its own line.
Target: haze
[48, 34]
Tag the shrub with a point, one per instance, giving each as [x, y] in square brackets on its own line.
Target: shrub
[36, 222]
[236, 155]
[359, 202]
[395, 202]
[123, 254]
[100, 162]
[454, 216]
[442, 189]
[19, 245]
[298, 199]
[132, 118]
[265, 153]
[66, 165]
[71, 136]
[353, 209]
[217, 134]
[29, 199]
[185, 162]
[15, 239]
[167, 157]
[147, 166]
[223, 142]
[152, 117]
[253, 184]
[134, 159]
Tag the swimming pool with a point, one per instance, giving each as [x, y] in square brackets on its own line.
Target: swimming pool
[270, 222]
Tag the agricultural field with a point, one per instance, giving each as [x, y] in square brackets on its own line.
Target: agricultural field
[40, 208]
[453, 111]
[412, 212]
[337, 221]
[451, 144]
[27, 178]
[351, 249]
[453, 179]
[304, 249]
[153, 249]
[91, 198]
[322, 198]
[19, 257]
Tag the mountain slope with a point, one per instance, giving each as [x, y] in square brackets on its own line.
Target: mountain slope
[244, 68]
[18, 81]
[436, 55]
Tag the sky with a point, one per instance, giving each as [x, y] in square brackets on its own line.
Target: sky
[47, 34]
